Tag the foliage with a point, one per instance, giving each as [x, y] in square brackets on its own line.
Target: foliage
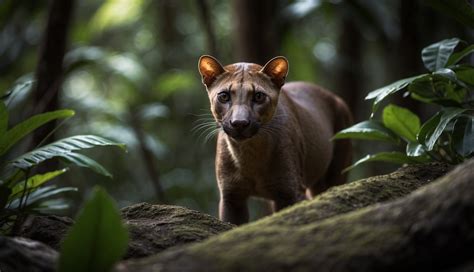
[134, 62]
[19, 191]
[98, 239]
[448, 135]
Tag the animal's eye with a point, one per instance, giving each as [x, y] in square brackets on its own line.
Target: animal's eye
[259, 97]
[223, 97]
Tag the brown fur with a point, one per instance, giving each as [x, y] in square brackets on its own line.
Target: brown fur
[285, 153]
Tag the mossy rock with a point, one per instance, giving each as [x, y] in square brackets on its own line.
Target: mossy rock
[154, 228]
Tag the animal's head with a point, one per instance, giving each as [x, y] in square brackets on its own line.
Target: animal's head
[243, 96]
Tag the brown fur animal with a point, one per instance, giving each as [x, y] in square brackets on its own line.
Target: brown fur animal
[274, 140]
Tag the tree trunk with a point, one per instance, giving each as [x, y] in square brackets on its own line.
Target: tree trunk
[348, 84]
[207, 23]
[406, 54]
[49, 72]
[255, 30]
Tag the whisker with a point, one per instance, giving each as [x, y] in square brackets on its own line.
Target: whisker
[205, 132]
[211, 134]
[203, 122]
[199, 127]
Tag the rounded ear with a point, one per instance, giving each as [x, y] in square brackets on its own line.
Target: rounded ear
[277, 70]
[210, 69]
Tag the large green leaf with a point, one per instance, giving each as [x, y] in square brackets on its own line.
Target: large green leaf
[24, 128]
[402, 121]
[396, 86]
[463, 136]
[459, 10]
[34, 182]
[458, 56]
[97, 240]
[428, 127]
[436, 55]
[392, 157]
[84, 161]
[447, 115]
[3, 120]
[367, 130]
[61, 148]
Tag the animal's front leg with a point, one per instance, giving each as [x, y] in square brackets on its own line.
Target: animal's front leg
[284, 196]
[233, 208]
[283, 202]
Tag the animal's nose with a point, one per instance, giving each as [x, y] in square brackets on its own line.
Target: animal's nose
[240, 124]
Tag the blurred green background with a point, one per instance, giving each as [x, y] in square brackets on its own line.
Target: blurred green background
[130, 73]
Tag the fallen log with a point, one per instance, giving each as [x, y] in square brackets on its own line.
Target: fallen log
[430, 229]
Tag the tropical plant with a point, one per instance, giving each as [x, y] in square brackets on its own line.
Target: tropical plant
[97, 240]
[449, 134]
[21, 192]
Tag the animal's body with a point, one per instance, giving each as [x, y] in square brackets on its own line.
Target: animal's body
[275, 140]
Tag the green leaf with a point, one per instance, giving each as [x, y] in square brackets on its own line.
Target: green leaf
[34, 182]
[423, 87]
[463, 136]
[450, 75]
[436, 55]
[23, 83]
[442, 88]
[3, 120]
[24, 128]
[447, 115]
[427, 128]
[84, 161]
[41, 194]
[458, 56]
[61, 148]
[392, 157]
[402, 121]
[367, 130]
[459, 10]
[396, 86]
[415, 149]
[97, 240]
[447, 73]
[52, 206]
[465, 73]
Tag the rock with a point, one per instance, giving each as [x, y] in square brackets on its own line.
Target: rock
[49, 229]
[154, 228]
[22, 254]
[429, 229]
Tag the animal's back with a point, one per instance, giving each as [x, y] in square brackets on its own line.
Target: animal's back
[320, 115]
